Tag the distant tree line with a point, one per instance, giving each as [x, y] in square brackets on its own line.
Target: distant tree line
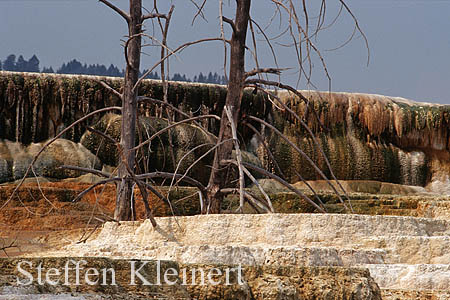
[76, 67]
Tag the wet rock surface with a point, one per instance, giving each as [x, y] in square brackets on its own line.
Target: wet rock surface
[366, 137]
[15, 159]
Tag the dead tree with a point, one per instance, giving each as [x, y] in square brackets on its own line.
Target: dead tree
[239, 78]
[124, 202]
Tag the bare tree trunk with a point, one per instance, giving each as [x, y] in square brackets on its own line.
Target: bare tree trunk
[233, 101]
[124, 202]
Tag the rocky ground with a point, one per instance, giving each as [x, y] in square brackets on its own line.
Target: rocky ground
[368, 255]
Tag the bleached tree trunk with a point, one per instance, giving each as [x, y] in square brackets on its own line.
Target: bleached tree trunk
[125, 202]
[233, 102]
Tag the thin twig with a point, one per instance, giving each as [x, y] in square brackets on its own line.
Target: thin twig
[170, 54]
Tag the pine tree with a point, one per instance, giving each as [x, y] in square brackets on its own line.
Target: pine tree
[33, 64]
[10, 63]
[48, 70]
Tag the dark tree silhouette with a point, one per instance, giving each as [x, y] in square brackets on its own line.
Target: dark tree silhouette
[10, 63]
[48, 70]
[33, 65]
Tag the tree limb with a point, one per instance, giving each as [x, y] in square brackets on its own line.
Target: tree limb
[251, 199]
[93, 186]
[167, 175]
[238, 157]
[231, 22]
[286, 184]
[257, 71]
[199, 11]
[102, 134]
[106, 86]
[289, 88]
[153, 15]
[200, 158]
[117, 10]
[86, 170]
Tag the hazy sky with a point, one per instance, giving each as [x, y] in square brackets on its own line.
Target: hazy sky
[409, 42]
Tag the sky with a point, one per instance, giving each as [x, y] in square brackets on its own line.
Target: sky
[409, 42]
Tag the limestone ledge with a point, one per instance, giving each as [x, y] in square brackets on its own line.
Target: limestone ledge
[253, 282]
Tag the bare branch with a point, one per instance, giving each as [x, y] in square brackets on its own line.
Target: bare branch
[83, 239]
[93, 186]
[86, 170]
[251, 199]
[255, 182]
[291, 89]
[191, 165]
[199, 11]
[102, 134]
[267, 41]
[173, 125]
[144, 194]
[231, 22]
[257, 71]
[165, 32]
[117, 10]
[238, 157]
[106, 86]
[154, 15]
[314, 138]
[167, 175]
[310, 188]
[261, 140]
[180, 48]
[359, 28]
[168, 105]
[255, 48]
[201, 157]
[296, 148]
[222, 35]
[286, 184]
[158, 194]
[125, 50]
